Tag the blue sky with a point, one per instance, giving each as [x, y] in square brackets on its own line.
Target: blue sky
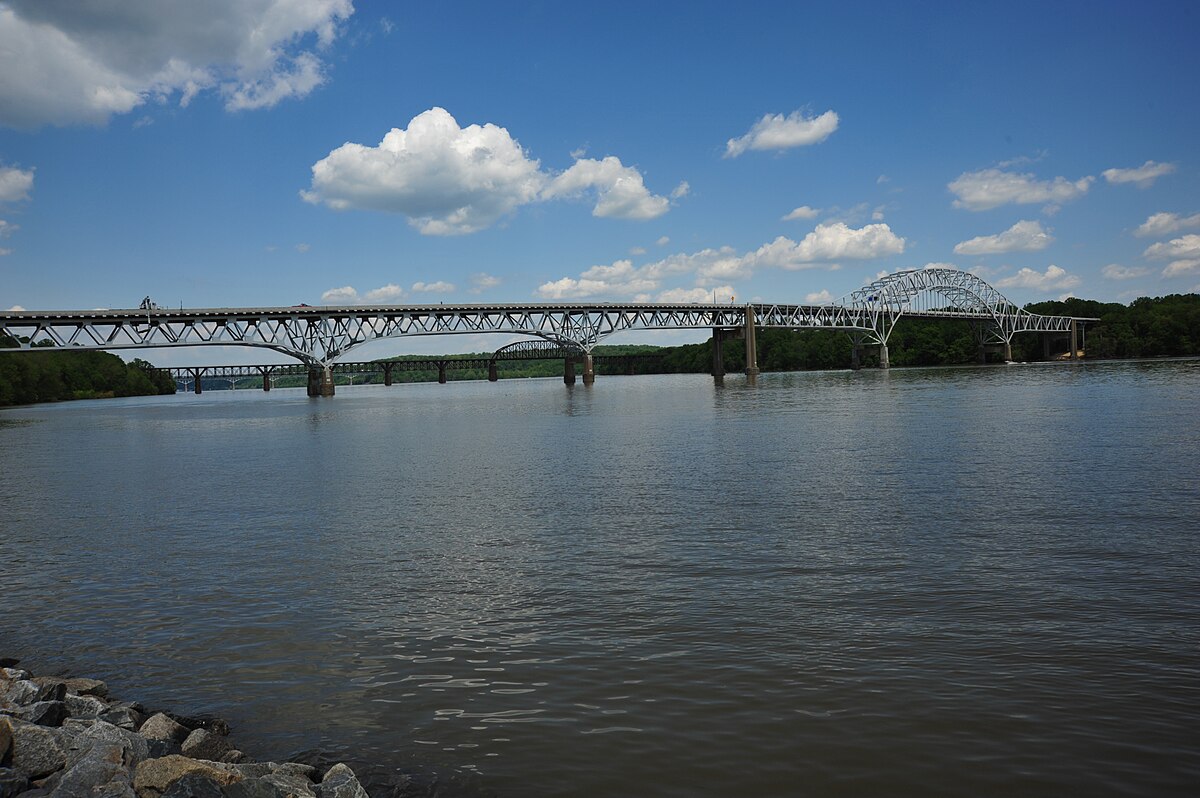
[233, 153]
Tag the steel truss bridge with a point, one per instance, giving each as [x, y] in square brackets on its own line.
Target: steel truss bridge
[194, 377]
[321, 336]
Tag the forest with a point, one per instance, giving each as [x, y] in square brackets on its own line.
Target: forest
[1166, 326]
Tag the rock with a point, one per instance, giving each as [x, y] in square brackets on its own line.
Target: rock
[37, 751]
[154, 776]
[161, 748]
[161, 727]
[292, 786]
[85, 706]
[340, 782]
[13, 674]
[253, 788]
[87, 687]
[233, 757]
[104, 768]
[203, 744]
[12, 783]
[6, 741]
[24, 692]
[136, 748]
[45, 713]
[194, 785]
[296, 769]
[206, 722]
[125, 715]
[9, 662]
[254, 770]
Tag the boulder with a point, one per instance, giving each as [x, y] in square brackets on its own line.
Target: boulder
[6, 741]
[296, 769]
[13, 674]
[340, 782]
[9, 662]
[203, 744]
[85, 706]
[37, 751]
[126, 715]
[194, 785]
[44, 713]
[293, 786]
[161, 727]
[24, 692]
[104, 768]
[136, 749]
[154, 776]
[254, 788]
[87, 687]
[207, 722]
[12, 783]
[233, 757]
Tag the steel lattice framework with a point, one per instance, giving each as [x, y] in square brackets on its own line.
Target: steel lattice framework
[319, 336]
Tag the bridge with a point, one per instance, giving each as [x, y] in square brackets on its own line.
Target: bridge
[193, 377]
[319, 337]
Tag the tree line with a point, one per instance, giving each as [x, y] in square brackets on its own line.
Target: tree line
[55, 375]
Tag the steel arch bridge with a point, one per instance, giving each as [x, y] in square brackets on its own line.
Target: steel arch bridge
[320, 336]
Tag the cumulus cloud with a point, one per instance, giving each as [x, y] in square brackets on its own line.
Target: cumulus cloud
[1183, 252]
[721, 266]
[1053, 279]
[803, 212]
[619, 189]
[4, 252]
[348, 295]
[822, 297]
[16, 308]
[7, 229]
[779, 132]
[1024, 236]
[481, 282]
[1141, 176]
[686, 296]
[450, 180]
[991, 188]
[682, 190]
[440, 287]
[64, 62]
[1115, 271]
[1165, 223]
[663, 241]
[15, 184]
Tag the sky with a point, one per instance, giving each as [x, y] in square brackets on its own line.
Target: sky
[240, 153]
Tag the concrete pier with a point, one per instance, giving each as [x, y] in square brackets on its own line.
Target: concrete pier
[387, 374]
[569, 371]
[1074, 340]
[266, 382]
[751, 345]
[718, 352]
[196, 375]
[493, 375]
[589, 370]
[883, 357]
[320, 381]
[441, 372]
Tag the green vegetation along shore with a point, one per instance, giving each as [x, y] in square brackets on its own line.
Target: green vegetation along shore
[53, 376]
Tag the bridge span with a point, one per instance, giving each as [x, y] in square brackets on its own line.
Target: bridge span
[321, 336]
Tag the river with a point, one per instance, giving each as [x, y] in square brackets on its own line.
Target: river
[922, 582]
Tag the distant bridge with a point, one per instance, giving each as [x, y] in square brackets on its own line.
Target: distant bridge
[194, 377]
[320, 336]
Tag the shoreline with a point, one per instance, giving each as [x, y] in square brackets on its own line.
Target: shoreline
[64, 737]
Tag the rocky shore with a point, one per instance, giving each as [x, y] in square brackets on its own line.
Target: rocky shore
[65, 738]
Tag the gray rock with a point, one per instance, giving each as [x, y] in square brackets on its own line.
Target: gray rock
[136, 749]
[340, 782]
[254, 770]
[104, 768]
[155, 776]
[6, 741]
[37, 751]
[194, 785]
[233, 756]
[85, 706]
[161, 748]
[87, 687]
[161, 727]
[12, 782]
[21, 692]
[202, 744]
[254, 788]
[292, 785]
[125, 715]
[44, 713]
[296, 769]
[78, 725]
[13, 674]
[207, 722]
[9, 662]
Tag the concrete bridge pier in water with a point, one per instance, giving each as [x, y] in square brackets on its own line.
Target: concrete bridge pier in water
[320, 381]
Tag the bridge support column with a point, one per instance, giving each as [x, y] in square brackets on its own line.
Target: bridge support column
[589, 370]
[320, 381]
[493, 374]
[856, 349]
[1074, 340]
[751, 345]
[982, 352]
[569, 371]
[387, 374]
[1007, 351]
[1045, 346]
[196, 375]
[441, 372]
[718, 352]
[266, 381]
[327, 381]
[883, 357]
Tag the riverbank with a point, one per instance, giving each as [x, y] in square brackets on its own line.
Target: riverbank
[65, 737]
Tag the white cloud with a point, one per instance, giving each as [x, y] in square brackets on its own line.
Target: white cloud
[877, 214]
[15, 184]
[822, 297]
[449, 180]
[1024, 236]
[1142, 176]
[879, 181]
[1115, 271]
[620, 191]
[637, 250]
[440, 287]
[348, 295]
[1165, 223]
[482, 282]
[4, 252]
[1183, 252]
[302, 248]
[7, 228]
[803, 212]
[779, 132]
[709, 267]
[384, 294]
[1054, 279]
[64, 63]
[991, 188]
[663, 241]
[685, 296]
[682, 190]
[16, 308]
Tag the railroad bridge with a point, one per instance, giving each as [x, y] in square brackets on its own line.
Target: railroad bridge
[321, 337]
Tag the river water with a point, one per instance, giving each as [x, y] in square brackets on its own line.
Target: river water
[968, 581]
